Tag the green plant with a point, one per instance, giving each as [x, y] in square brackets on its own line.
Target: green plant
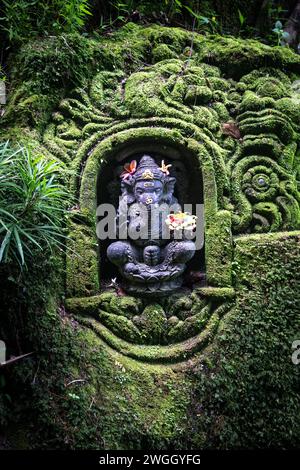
[26, 19]
[208, 23]
[242, 21]
[32, 204]
[175, 7]
[276, 11]
[280, 33]
[242, 18]
[116, 11]
[73, 14]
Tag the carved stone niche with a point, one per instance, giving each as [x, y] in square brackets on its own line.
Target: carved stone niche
[139, 323]
[159, 176]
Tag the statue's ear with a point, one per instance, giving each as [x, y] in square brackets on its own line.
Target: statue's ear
[169, 189]
[127, 191]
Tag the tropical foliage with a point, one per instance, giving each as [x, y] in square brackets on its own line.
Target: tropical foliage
[32, 204]
[26, 19]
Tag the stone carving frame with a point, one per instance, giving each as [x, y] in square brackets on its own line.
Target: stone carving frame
[217, 261]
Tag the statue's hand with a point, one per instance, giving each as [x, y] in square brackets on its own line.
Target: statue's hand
[151, 255]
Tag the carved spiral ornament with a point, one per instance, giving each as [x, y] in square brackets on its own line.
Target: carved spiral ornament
[265, 195]
[260, 183]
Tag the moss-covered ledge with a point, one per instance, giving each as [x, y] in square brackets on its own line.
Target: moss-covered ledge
[43, 70]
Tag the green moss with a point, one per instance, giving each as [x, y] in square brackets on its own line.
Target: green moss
[84, 305]
[198, 95]
[57, 63]
[152, 323]
[127, 306]
[219, 250]
[115, 99]
[190, 326]
[124, 319]
[162, 52]
[30, 109]
[179, 306]
[284, 210]
[125, 375]
[237, 57]
[108, 301]
[270, 123]
[220, 293]
[121, 326]
[82, 277]
[98, 398]
[176, 353]
[262, 145]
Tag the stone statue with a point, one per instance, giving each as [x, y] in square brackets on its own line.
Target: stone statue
[151, 259]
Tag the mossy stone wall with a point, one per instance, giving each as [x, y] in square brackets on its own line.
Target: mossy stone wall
[109, 371]
[241, 391]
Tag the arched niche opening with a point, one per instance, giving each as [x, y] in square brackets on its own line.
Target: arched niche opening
[188, 190]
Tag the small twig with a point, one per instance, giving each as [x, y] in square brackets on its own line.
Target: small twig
[15, 359]
[75, 381]
[92, 402]
[36, 372]
[187, 62]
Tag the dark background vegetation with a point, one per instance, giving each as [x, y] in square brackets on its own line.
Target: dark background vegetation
[22, 20]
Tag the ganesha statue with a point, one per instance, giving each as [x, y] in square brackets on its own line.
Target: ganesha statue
[151, 252]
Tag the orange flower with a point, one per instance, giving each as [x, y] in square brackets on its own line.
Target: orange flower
[129, 169]
[165, 168]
